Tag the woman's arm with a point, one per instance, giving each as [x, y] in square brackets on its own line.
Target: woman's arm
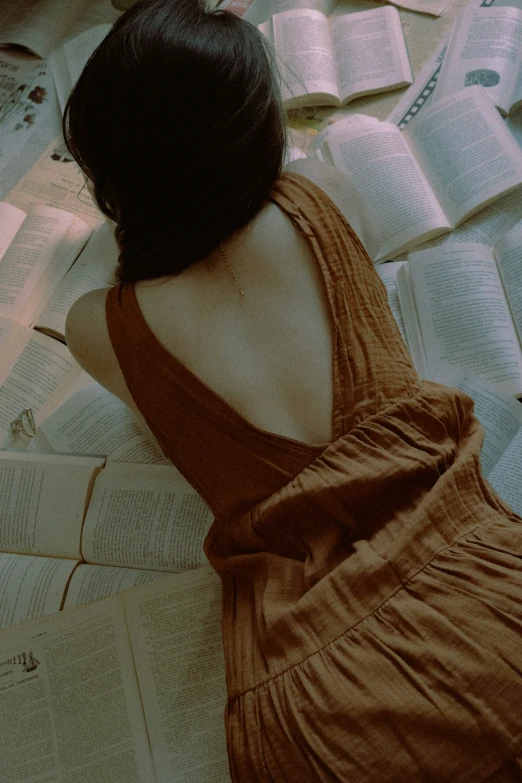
[345, 196]
[88, 340]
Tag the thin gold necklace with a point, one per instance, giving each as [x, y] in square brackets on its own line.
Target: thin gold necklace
[229, 267]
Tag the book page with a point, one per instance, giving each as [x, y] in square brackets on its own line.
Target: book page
[24, 140]
[380, 164]
[305, 58]
[70, 708]
[487, 226]
[38, 379]
[500, 414]
[92, 582]
[31, 586]
[411, 320]
[94, 268]
[42, 502]
[175, 631]
[13, 338]
[388, 274]
[508, 253]
[506, 476]
[145, 516]
[71, 246]
[94, 421]
[464, 316]
[467, 153]
[485, 48]
[37, 24]
[370, 52]
[11, 218]
[26, 104]
[56, 180]
[43, 239]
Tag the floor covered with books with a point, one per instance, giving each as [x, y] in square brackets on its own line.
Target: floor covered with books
[111, 660]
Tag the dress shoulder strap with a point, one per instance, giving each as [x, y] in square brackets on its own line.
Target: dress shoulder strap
[372, 367]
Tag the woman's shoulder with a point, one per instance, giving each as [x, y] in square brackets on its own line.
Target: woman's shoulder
[86, 326]
[87, 337]
[344, 195]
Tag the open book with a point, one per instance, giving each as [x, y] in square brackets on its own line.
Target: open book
[130, 688]
[74, 529]
[36, 250]
[330, 61]
[485, 47]
[40, 25]
[445, 165]
[462, 307]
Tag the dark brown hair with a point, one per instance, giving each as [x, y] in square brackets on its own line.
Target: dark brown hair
[177, 121]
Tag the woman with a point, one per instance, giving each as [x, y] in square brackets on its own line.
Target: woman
[372, 580]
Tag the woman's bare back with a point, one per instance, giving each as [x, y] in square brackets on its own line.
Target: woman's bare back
[268, 353]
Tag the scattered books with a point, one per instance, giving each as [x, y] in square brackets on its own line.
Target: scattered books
[95, 613]
[131, 687]
[61, 511]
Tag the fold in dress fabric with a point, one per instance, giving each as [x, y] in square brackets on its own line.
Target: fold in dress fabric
[372, 586]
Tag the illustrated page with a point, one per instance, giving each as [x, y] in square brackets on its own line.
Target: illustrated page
[70, 708]
[485, 48]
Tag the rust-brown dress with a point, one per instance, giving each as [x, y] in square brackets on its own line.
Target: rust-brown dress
[372, 614]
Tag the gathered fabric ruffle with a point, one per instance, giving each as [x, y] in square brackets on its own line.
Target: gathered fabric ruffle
[372, 616]
[428, 687]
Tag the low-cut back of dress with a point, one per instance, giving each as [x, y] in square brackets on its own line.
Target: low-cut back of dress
[372, 586]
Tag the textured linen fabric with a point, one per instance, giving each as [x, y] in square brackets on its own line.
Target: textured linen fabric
[372, 586]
